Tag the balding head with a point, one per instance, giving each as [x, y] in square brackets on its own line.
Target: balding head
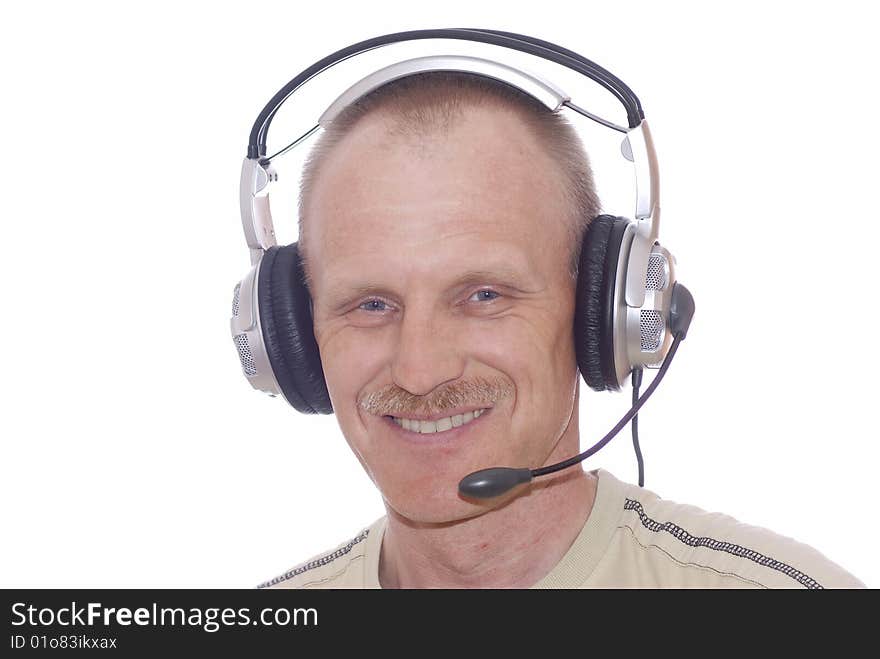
[418, 112]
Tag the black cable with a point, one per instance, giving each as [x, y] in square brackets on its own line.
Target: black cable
[636, 383]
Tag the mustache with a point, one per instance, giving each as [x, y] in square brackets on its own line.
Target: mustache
[391, 400]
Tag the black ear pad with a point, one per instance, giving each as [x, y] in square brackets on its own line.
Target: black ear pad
[594, 307]
[286, 320]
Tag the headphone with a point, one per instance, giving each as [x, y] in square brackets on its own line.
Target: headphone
[630, 312]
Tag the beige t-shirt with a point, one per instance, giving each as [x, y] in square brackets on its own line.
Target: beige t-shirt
[632, 539]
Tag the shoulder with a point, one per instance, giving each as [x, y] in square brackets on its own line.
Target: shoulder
[340, 567]
[720, 547]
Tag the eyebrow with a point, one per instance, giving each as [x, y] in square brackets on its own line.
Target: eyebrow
[501, 274]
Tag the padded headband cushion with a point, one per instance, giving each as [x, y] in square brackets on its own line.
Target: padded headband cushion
[286, 319]
[594, 310]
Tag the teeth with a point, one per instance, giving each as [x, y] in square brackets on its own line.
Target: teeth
[446, 423]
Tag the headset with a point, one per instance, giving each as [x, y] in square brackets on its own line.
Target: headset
[630, 311]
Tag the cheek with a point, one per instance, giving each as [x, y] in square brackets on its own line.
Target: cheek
[539, 357]
[537, 345]
[350, 360]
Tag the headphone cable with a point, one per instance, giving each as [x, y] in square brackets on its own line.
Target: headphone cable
[636, 383]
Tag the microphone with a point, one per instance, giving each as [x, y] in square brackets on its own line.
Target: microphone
[494, 481]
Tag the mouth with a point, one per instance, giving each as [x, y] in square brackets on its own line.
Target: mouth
[441, 425]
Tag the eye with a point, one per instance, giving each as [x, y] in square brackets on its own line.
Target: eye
[485, 295]
[373, 305]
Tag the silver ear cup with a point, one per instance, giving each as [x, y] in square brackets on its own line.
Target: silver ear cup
[245, 355]
[657, 278]
[653, 337]
[242, 343]
[652, 324]
[247, 335]
[641, 336]
[652, 329]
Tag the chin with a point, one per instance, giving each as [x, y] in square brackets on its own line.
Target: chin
[436, 503]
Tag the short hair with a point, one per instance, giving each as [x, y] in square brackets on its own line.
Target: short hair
[429, 102]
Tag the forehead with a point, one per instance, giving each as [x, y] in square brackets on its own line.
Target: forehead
[483, 192]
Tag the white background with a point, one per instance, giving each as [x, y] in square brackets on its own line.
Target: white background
[134, 453]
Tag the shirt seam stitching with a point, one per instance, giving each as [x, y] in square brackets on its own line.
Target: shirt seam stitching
[731, 548]
[326, 559]
[693, 564]
[309, 584]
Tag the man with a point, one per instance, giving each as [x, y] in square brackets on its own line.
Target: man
[440, 224]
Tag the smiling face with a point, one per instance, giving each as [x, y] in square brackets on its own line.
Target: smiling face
[439, 276]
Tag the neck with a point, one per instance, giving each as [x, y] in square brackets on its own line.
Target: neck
[514, 546]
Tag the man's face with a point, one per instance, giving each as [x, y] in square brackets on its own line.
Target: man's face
[440, 284]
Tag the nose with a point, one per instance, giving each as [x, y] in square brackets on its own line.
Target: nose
[428, 352]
